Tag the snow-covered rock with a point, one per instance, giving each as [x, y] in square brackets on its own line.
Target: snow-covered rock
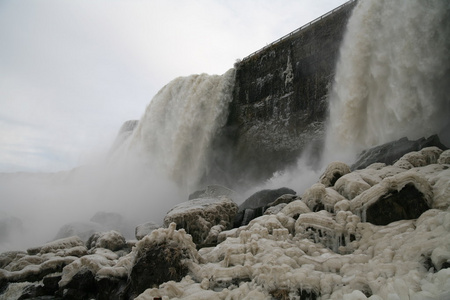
[198, 216]
[111, 240]
[145, 229]
[333, 172]
[57, 246]
[164, 255]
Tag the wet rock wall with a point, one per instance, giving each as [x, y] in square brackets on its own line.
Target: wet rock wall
[279, 102]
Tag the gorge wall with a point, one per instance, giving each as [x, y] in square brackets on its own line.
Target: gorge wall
[279, 102]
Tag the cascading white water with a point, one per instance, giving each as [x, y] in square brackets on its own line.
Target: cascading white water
[393, 76]
[177, 128]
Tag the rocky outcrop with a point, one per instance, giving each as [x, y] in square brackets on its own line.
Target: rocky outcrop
[280, 101]
[390, 152]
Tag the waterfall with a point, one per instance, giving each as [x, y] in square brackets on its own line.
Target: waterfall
[176, 131]
[393, 75]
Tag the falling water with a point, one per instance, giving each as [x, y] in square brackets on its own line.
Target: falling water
[177, 129]
[392, 78]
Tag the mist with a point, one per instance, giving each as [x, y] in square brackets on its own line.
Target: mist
[163, 158]
[46, 202]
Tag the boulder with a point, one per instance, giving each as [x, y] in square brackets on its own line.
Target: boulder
[273, 210]
[111, 240]
[333, 172]
[390, 152]
[160, 257]
[58, 246]
[403, 196]
[145, 229]
[406, 204]
[264, 197]
[198, 216]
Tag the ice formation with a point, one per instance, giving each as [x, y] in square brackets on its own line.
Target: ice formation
[203, 218]
[322, 246]
[331, 254]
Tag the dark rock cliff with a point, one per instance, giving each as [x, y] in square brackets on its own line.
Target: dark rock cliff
[279, 102]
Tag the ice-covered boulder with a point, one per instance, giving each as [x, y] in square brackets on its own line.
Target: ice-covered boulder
[333, 172]
[444, 158]
[111, 240]
[272, 210]
[145, 229]
[40, 261]
[319, 197]
[160, 257]
[400, 197]
[57, 246]
[198, 216]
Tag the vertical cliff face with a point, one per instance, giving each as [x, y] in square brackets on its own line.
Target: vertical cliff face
[280, 98]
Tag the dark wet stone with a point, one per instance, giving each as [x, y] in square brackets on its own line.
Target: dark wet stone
[406, 204]
[264, 197]
[157, 264]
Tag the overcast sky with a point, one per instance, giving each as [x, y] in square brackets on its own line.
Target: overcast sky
[71, 72]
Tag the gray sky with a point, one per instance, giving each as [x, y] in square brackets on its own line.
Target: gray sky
[71, 72]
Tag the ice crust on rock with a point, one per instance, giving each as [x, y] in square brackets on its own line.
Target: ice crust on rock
[57, 245]
[333, 253]
[199, 216]
[145, 229]
[333, 172]
[111, 240]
